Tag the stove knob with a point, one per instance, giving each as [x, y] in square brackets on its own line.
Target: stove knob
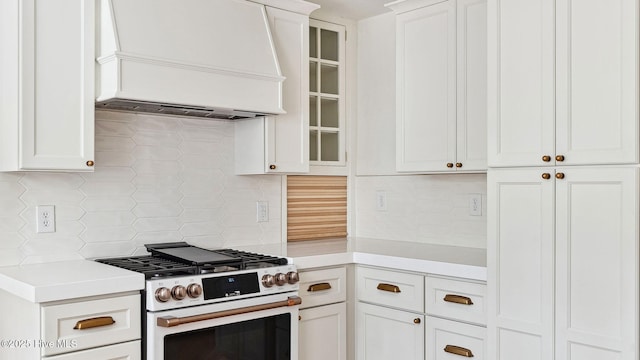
[194, 290]
[179, 292]
[292, 277]
[281, 279]
[268, 280]
[163, 294]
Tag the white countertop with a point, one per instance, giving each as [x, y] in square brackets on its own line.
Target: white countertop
[64, 280]
[462, 262]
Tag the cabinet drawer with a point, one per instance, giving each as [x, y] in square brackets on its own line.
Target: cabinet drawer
[126, 351]
[390, 288]
[451, 340]
[59, 323]
[456, 299]
[320, 287]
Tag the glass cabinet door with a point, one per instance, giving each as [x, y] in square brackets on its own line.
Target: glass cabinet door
[326, 93]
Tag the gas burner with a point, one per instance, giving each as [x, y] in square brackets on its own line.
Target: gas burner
[182, 259]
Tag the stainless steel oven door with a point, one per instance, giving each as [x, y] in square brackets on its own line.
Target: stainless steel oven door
[261, 328]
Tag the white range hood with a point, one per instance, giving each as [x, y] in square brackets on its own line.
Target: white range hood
[209, 58]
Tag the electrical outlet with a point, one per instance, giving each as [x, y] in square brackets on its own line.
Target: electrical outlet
[45, 219]
[262, 211]
[381, 200]
[475, 205]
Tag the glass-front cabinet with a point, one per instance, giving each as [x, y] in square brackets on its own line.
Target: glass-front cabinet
[326, 93]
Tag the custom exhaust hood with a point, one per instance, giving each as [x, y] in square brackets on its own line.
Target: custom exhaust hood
[206, 58]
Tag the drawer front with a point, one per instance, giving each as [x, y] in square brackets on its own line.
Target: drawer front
[456, 299]
[390, 288]
[126, 351]
[451, 340]
[321, 287]
[60, 323]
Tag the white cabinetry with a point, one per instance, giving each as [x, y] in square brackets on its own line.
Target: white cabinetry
[565, 98]
[102, 328]
[456, 318]
[440, 85]
[280, 144]
[563, 241]
[323, 314]
[389, 315]
[47, 85]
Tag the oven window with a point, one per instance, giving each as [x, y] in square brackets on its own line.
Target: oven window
[258, 339]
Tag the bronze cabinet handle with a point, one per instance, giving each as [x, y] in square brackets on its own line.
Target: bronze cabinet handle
[90, 163]
[559, 157]
[546, 158]
[417, 321]
[94, 323]
[458, 299]
[560, 175]
[272, 167]
[449, 165]
[458, 165]
[546, 176]
[319, 287]
[388, 287]
[457, 350]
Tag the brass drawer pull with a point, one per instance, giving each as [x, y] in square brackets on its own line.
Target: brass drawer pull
[319, 287]
[94, 322]
[458, 299]
[546, 158]
[457, 350]
[388, 287]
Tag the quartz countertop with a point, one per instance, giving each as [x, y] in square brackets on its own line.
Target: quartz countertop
[64, 280]
[463, 262]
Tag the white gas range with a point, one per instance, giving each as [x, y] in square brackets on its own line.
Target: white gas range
[216, 304]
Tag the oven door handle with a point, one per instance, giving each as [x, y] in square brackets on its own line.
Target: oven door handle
[171, 321]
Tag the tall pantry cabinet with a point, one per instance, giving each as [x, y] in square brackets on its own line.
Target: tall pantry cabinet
[562, 249]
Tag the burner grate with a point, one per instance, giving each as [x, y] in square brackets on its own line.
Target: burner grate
[151, 266]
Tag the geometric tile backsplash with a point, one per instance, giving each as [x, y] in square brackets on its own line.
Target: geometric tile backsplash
[430, 209]
[160, 179]
[156, 179]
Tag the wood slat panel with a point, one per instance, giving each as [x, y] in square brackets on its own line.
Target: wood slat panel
[316, 207]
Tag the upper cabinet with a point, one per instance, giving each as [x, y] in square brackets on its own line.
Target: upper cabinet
[280, 144]
[47, 85]
[567, 97]
[326, 93]
[440, 85]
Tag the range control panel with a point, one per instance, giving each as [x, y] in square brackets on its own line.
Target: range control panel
[184, 291]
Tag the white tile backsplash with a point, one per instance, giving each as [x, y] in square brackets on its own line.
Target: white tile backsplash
[430, 209]
[156, 179]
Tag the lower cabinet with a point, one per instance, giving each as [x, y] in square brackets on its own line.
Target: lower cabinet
[448, 339]
[100, 328]
[413, 316]
[125, 351]
[323, 332]
[322, 329]
[384, 333]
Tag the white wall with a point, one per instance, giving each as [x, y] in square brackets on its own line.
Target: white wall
[156, 179]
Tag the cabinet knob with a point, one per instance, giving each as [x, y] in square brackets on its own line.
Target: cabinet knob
[546, 176]
[559, 157]
[560, 175]
[90, 163]
[546, 158]
[458, 165]
[272, 167]
[299, 317]
[449, 165]
[417, 321]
